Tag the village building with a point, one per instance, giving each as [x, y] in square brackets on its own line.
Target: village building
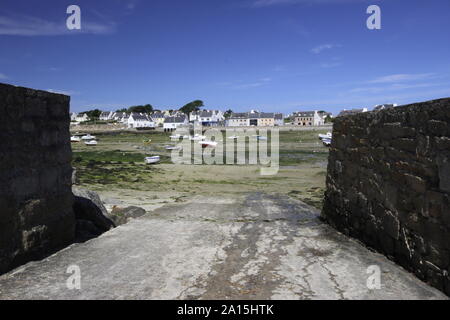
[240, 119]
[308, 118]
[73, 117]
[158, 118]
[82, 117]
[140, 121]
[172, 123]
[255, 118]
[207, 117]
[106, 115]
[121, 117]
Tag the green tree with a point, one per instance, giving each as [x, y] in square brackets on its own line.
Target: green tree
[328, 119]
[192, 106]
[228, 113]
[93, 114]
[122, 110]
[141, 109]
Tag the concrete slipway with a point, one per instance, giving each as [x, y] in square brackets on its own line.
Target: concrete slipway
[256, 246]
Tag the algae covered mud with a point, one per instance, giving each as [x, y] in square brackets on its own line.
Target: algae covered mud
[116, 169]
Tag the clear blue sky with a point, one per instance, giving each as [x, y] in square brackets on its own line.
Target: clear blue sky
[271, 55]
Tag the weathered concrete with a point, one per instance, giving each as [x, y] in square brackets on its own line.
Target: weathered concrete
[36, 216]
[388, 184]
[255, 247]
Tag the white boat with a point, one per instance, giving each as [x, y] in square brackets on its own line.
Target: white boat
[326, 141]
[90, 143]
[153, 159]
[208, 143]
[88, 137]
[233, 137]
[260, 137]
[198, 138]
[175, 136]
[325, 136]
[75, 139]
[172, 148]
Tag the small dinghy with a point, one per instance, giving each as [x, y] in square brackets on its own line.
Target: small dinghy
[326, 141]
[208, 143]
[260, 137]
[325, 136]
[172, 148]
[233, 137]
[153, 159]
[75, 139]
[90, 143]
[197, 137]
[88, 137]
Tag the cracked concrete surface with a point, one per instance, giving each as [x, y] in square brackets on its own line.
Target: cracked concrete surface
[256, 246]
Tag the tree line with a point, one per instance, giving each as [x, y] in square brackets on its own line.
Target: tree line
[187, 109]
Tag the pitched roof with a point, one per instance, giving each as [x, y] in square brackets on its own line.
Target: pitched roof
[175, 119]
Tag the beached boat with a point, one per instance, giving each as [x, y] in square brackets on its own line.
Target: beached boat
[325, 136]
[258, 137]
[208, 143]
[198, 138]
[88, 137]
[91, 143]
[153, 159]
[326, 141]
[75, 139]
[172, 148]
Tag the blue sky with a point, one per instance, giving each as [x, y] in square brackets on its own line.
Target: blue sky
[271, 55]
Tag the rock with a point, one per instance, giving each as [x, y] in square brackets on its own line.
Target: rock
[124, 215]
[91, 195]
[89, 208]
[86, 230]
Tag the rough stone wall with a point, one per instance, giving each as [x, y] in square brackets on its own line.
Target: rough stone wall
[36, 216]
[388, 184]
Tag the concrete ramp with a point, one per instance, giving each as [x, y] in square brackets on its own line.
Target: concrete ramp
[256, 246]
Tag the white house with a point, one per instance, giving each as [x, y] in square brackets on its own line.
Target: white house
[81, 117]
[240, 119]
[140, 120]
[105, 116]
[73, 116]
[207, 117]
[172, 123]
[121, 117]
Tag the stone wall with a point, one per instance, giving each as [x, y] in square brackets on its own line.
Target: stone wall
[388, 184]
[36, 216]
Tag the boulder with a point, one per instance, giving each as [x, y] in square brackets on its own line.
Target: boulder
[123, 215]
[91, 214]
[86, 230]
[91, 195]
